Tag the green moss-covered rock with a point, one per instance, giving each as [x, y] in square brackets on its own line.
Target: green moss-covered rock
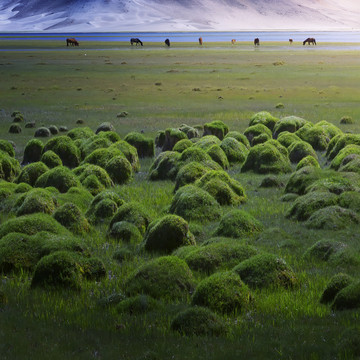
[198, 321]
[316, 136]
[50, 159]
[65, 148]
[182, 145]
[300, 149]
[139, 304]
[60, 177]
[207, 141]
[33, 151]
[217, 128]
[166, 277]
[265, 270]
[218, 155]
[32, 224]
[160, 138]
[330, 129]
[31, 172]
[342, 154]
[332, 218]
[105, 126]
[302, 178]
[134, 213]
[194, 154]
[324, 249]
[336, 283]
[144, 146]
[126, 232]
[347, 120]
[80, 133]
[271, 181]
[119, 170]
[7, 147]
[264, 118]
[191, 132]
[238, 223]
[286, 138]
[256, 130]
[288, 123]
[87, 146]
[339, 142]
[304, 206]
[101, 157]
[350, 163]
[348, 297]
[112, 136]
[42, 132]
[334, 183]
[71, 217]
[266, 158]
[193, 203]
[167, 234]
[22, 188]
[172, 136]
[239, 137]
[222, 292]
[235, 151]
[87, 170]
[308, 161]
[9, 167]
[15, 129]
[130, 153]
[165, 166]
[189, 173]
[350, 200]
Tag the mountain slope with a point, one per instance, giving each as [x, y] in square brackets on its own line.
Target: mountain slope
[172, 15]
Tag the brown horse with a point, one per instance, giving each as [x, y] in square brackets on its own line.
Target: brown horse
[256, 42]
[136, 41]
[233, 41]
[309, 41]
[72, 42]
[290, 41]
[200, 41]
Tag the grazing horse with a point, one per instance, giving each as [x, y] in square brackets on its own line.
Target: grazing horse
[72, 42]
[309, 41]
[167, 42]
[233, 41]
[256, 42]
[200, 41]
[290, 41]
[136, 41]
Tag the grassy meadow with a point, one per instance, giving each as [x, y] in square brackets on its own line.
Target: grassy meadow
[163, 88]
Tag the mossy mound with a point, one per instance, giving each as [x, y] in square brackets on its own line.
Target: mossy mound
[301, 179]
[42, 132]
[80, 133]
[332, 218]
[87, 146]
[105, 126]
[9, 167]
[130, 153]
[348, 297]
[77, 195]
[222, 187]
[264, 118]
[189, 173]
[160, 138]
[339, 142]
[32, 224]
[60, 177]
[7, 147]
[239, 137]
[165, 166]
[334, 183]
[256, 130]
[53, 129]
[166, 277]
[222, 292]
[71, 217]
[15, 129]
[217, 128]
[193, 203]
[316, 136]
[300, 149]
[304, 206]
[119, 170]
[50, 159]
[36, 200]
[167, 234]
[134, 213]
[31, 172]
[22, 188]
[286, 138]
[288, 123]
[86, 171]
[266, 158]
[172, 136]
[182, 145]
[112, 136]
[271, 181]
[101, 157]
[139, 304]
[144, 146]
[198, 321]
[238, 223]
[126, 232]
[324, 249]
[342, 154]
[65, 148]
[265, 270]
[223, 255]
[191, 132]
[235, 151]
[350, 200]
[347, 120]
[336, 283]
[350, 163]
[32, 151]
[218, 155]
[330, 129]
[207, 141]
[308, 161]
[194, 154]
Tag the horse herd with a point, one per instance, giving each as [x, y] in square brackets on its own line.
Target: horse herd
[137, 41]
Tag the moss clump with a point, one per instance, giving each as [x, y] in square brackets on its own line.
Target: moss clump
[238, 223]
[9, 167]
[308, 161]
[42, 132]
[193, 203]
[239, 137]
[266, 158]
[301, 179]
[165, 166]
[130, 153]
[167, 234]
[198, 321]
[191, 132]
[36, 200]
[105, 126]
[235, 151]
[300, 149]
[31, 172]
[260, 139]
[339, 142]
[7, 147]
[60, 177]
[336, 283]
[172, 136]
[207, 141]
[87, 170]
[119, 170]
[22, 188]
[139, 304]
[53, 129]
[351, 163]
[91, 144]
[222, 292]
[144, 146]
[347, 120]
[265, 270]
[222, 187]
[51, 160]
[80, 133]
[271, 181]
[332, 218]
[324, 249]
[334, 183]
[112, 136]
[32, 224]
[65, 148]
[126, 232]
[189, 173]
[160, 138]
[217, 128]
[316, 136]
[255, 130]
[350, 200]
[33, 151]
[134, 213]
[101, 157]
[194, 154]
[304, 206]
[348, 297]
[15, 129]
[166, 277]
[264, 118]
[288, 123]
[182, 145]
[71, 217]
[342, 154]
[218, 155]
[286, 138]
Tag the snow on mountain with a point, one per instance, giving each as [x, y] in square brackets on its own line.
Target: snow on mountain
[178, 15]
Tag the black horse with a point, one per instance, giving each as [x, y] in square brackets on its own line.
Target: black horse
[136, 41]
[256, 42]
[167, 42]
[309, 41]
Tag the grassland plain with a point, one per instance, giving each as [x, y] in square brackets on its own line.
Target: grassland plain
[162, 87]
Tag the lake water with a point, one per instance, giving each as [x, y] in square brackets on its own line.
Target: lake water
[321, 36]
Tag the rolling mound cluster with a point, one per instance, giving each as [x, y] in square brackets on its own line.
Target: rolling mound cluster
[65, 190]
